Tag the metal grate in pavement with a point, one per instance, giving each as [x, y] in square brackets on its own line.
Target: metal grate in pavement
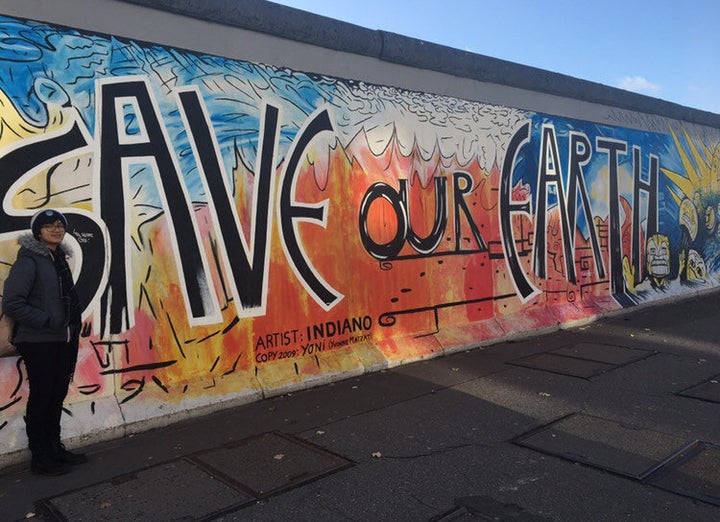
[695, 474]
[605, 444]
[584, 360]
[176, 490]
[706, 391]
[271, 463]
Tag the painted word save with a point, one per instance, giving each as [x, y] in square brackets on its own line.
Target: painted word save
[115, 149]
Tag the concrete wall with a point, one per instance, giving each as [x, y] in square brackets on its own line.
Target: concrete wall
[262, 200]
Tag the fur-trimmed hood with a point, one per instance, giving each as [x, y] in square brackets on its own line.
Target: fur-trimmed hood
[37, 247]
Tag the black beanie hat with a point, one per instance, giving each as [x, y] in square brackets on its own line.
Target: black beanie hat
[45, 217]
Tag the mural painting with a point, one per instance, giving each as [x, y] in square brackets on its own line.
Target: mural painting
[240, 228]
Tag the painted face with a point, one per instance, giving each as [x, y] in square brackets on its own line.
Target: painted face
[696, 269]
[709, 218]
[658, 255]
[688, 217]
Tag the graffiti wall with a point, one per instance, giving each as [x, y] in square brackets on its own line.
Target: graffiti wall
[241, 229]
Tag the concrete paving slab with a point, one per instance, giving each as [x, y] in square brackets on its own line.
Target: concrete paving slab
[605, 353]
[681, 416]
[572, 366]
[706, 391]
[626, 450]
[661, 374]
[697, 475]
[270, 463]
[177, 490]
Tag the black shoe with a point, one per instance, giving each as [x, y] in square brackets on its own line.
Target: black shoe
[45, 465]
[63, 456]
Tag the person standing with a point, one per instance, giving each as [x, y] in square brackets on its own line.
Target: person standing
[40, 296]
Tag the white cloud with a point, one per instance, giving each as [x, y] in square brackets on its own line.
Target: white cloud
[638, 84]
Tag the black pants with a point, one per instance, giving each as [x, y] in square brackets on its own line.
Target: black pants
[50, 367]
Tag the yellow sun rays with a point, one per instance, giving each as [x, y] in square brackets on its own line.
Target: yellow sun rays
[702, 167]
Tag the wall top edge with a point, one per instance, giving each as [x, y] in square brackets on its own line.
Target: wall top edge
[293, 24]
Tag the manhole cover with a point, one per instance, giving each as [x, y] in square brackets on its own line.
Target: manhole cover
[271, 463]
[706, 391]
[696, 475]
[177, 490]
[605, 444]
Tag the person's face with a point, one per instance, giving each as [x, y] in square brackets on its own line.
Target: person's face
[52, 234]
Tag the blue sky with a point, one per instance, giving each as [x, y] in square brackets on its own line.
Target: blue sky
[668, 49]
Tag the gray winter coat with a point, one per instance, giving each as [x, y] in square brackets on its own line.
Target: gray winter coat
[32, 294]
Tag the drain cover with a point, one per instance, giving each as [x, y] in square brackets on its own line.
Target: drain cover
[695, 475]
[706, 391]
[271, 463]
[177, 490]
[605, 444]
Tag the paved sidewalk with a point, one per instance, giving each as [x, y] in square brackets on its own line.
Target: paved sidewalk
[617, 420]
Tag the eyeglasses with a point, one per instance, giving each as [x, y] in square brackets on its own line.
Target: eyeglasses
[58, 225]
